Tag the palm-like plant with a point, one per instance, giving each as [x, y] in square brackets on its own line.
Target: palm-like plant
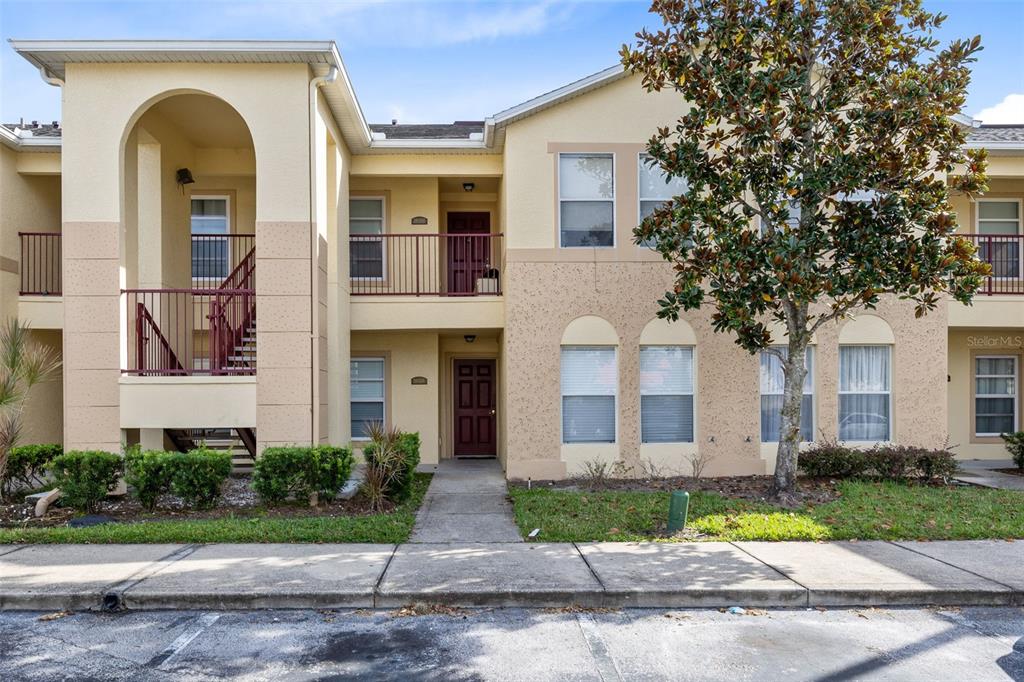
[23, 364]
[383, 464]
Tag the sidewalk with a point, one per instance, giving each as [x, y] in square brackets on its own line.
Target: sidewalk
[712, 574]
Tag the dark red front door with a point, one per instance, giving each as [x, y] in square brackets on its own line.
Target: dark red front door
[469, 250]
[475, 419]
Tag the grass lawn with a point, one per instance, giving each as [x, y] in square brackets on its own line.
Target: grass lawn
[864, 511]
[393, 527]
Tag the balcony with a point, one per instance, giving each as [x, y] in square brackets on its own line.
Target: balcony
[208, 329]
[1003, 253]
[40, 264]
[450, 265]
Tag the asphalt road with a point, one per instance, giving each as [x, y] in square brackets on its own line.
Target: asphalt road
[514, 644]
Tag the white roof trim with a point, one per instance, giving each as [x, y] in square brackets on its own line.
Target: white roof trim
[994, 145]
[534, 105]
[965, 120]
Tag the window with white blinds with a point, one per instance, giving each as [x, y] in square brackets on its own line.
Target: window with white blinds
[586, 199]
[367, 395]
[773, 381]
[995, 394]
[666, 394]
[865, 407]
[590, 381]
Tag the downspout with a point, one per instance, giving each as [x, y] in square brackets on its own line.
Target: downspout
[314, 85]
[48, 79]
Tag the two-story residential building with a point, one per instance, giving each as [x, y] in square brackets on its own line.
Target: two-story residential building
[224, 249]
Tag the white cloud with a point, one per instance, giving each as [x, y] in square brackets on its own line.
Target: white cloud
[1010, 110]
[407, 24]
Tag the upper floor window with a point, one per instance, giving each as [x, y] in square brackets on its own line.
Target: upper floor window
[656, 188]
[589, 385]
[865, 406]
[773, 381]
[211, 257]
[666, 394]
[366, 224]
[999, 220]
[586, 199]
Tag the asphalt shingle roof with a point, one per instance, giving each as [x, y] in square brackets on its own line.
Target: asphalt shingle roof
[997, 133]
[459, 130]
[38, 129]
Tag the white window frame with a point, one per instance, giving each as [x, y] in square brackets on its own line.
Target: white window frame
[839, 391]
[814, 407]
[227, 234]
[1019, 222]
[384, 397]
[641, 159]
[614, 200]
[692, 394]
[615, 396]
[383, 231]
[974, 390]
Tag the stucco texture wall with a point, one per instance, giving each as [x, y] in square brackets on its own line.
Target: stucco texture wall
[543, 298]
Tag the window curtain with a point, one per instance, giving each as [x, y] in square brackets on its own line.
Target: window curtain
[666, 394]
[589, 385]
[772, 387]
[995, 395]
[864, 393]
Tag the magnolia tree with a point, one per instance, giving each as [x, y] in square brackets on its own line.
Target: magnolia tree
[815, 153]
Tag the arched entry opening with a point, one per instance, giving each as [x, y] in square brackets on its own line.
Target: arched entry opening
[189, 263]
[189, 239]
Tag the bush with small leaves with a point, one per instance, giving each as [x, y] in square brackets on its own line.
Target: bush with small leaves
[829, 459]
[149, 473]
[315, 473]
[26, 466]
[86, 477]
[1015, 446]
[197, 476]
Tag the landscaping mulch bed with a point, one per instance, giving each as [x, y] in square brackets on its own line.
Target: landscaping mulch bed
[813, 491]
[238, 500]
[1013, 472]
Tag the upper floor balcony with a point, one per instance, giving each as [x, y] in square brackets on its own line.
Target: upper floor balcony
[446, 264]
[1003, 253]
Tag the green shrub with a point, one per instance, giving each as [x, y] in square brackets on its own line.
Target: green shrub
[832, 460]
[1015, 445]
[149, 474]
[197, 476]
[936, 464]
[301, 472]
[27, 465]
[399, 465]
[888, 462]
[85, 477]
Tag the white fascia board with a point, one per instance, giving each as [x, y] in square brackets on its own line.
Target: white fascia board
[458, 143]
[995, 146]
[252, 46]
[598, 79]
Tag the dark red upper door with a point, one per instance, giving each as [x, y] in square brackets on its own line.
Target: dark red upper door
[475, 415]
[469, 250]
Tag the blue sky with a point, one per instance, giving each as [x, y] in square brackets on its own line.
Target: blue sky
[441, 61]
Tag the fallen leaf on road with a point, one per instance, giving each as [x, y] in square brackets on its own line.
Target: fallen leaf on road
[57, 615]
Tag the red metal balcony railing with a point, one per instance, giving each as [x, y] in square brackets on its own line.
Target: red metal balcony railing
[215, 257]
[181, 332]
[425, 264]
[1004, 253]
[40, 264]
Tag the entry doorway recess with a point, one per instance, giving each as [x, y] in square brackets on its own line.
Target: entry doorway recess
[469, 251]
[475, 410]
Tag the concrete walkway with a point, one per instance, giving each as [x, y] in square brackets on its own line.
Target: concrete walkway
[664, 575]
[467, 501]
[982, 472]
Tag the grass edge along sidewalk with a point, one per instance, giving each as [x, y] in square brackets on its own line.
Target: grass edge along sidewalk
[389, 528]
[864, 510]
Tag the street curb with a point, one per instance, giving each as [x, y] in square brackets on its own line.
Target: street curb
[697, 598]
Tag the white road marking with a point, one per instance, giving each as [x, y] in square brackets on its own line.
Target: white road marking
[161, 660]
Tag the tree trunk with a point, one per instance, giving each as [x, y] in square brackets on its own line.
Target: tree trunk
[795, 370]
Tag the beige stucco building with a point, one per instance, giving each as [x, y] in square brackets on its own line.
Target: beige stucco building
[223, 249]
